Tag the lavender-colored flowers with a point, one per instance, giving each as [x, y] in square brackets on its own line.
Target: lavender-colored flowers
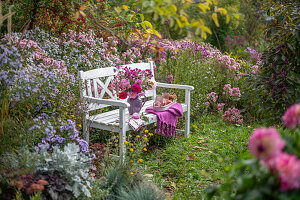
[10, 62]
[54, 134]
[84, 146]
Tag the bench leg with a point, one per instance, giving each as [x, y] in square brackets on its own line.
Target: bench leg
[122, 134]
[86, 133]
[187, 125]
[187, 114]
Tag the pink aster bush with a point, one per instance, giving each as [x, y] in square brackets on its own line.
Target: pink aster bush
[235, 92]
[229, 96]
[229, 62]
[221, 106]
[232, 115]
[212, 98]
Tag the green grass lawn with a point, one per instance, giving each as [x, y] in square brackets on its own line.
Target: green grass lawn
[184, 167]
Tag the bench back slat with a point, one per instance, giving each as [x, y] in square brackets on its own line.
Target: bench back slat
[98, 73]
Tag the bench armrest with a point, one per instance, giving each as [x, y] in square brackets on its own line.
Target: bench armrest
[110, 102]
[167, 85]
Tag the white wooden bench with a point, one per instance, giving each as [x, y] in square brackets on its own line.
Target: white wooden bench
[115, 120]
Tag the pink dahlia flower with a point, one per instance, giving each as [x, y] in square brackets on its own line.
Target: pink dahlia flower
[136, 88]
[291, 117]
[265, 143]
[288, 167]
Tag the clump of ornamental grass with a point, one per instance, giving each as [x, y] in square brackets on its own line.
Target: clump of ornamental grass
[141, 191]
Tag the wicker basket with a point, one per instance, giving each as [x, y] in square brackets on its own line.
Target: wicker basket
[163, 108]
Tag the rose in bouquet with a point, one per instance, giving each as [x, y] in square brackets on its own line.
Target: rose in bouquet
[132, 83]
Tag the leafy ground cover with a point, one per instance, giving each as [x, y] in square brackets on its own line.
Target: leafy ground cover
[186, 166]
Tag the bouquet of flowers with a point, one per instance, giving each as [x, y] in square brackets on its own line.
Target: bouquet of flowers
[132, 83]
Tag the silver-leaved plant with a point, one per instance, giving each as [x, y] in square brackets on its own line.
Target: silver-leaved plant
[72, 164]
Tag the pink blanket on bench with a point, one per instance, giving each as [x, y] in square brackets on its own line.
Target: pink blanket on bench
[167, 120]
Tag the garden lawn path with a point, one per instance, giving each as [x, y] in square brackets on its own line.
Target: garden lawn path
[186, 166]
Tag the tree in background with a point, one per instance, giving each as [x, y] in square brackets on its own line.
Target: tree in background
[175, 18]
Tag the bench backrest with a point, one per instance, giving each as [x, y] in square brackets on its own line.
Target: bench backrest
[95, 83]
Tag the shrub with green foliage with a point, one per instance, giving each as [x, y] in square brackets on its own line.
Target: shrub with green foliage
[278, 86]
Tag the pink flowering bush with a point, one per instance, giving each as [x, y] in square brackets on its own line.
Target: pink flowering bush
[208, 70]
[221, 107]
[255, 56]
[212, 98]
[229, 62]
[274, 172]
[227, 99]
[232, 115]
[234, 92]
[132, 83]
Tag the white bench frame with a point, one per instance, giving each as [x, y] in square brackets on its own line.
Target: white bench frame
[107, 120]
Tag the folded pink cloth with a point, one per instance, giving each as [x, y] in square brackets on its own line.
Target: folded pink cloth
[167, 120]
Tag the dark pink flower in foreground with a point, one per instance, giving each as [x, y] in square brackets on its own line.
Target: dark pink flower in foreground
[288, 167]
[265, 143]
[291, 117]
[136, 88]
